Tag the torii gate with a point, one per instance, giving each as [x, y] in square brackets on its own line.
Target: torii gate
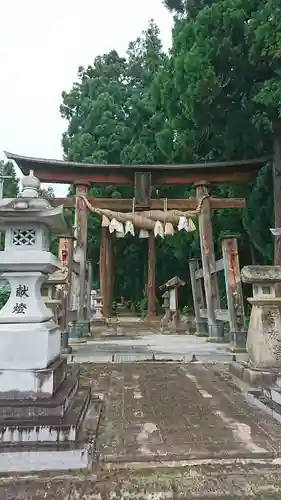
[143, 177]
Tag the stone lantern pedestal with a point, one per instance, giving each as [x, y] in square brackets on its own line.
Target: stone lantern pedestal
[264, 333]
[263, 369]
[39, 403]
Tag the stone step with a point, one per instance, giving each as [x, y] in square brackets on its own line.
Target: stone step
[276, 394]
[263, 400]
[278, 381]
[22, 409]
[47, 428]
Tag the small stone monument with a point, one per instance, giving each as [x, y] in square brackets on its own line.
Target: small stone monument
[172, 311]
[167, 313]
[97, 323]
[39, 403]
[97, 305]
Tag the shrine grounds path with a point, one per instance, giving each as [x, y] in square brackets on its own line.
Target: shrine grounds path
[167, 430]
[143, 345]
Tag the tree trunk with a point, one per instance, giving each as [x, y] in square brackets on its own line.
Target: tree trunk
[277, 194]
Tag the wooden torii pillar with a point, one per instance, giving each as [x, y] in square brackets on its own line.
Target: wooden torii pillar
[80, 249]
[142, 191]
[208, 259]
[151, 283]
[106, 270]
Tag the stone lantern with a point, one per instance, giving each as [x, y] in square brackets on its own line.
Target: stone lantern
[97, 305]
[36, 396]
[264, 334]
[171, 302]
[167, 313]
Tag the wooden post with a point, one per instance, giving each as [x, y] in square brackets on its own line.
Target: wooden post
[198, 298]
[66, 259]
[106, 265]
[109, 272]
[80, 251]
[89, 288]
[103, 238]
[113, 267]
[234, 292]
[208, 261]
[151, 305]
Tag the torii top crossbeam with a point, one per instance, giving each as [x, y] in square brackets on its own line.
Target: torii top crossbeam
[59, 171]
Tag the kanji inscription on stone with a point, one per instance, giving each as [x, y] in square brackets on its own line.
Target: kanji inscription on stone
[22, 291]
[19, 308]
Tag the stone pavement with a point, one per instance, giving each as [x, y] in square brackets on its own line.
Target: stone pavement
[168, 412]
[168, 430]
[144, 344]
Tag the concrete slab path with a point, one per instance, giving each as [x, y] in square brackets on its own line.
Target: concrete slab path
[145, 344]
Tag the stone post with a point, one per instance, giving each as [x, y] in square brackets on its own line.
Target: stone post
[198, 298]
[234, 294]
[264, 333]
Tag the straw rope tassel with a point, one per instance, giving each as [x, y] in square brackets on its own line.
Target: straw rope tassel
[168, 228]
[129, 226]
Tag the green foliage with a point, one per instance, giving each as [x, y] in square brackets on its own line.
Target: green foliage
[215, 96]
[4, 297]
[11, 185]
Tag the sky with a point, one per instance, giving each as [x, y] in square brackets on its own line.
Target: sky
[42, 43]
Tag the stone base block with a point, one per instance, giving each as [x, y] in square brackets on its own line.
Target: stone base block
[76, 333]
[52, 413]
[97, 323]
[48, 428]
[201, 328]
[217, 340]
[235, 349]
[216, 333]
[57, 405]
[253, 377]
[43, 460]
[29, 346]
[32, 384]
[265, 402]
[85, 328]
[238, 341]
